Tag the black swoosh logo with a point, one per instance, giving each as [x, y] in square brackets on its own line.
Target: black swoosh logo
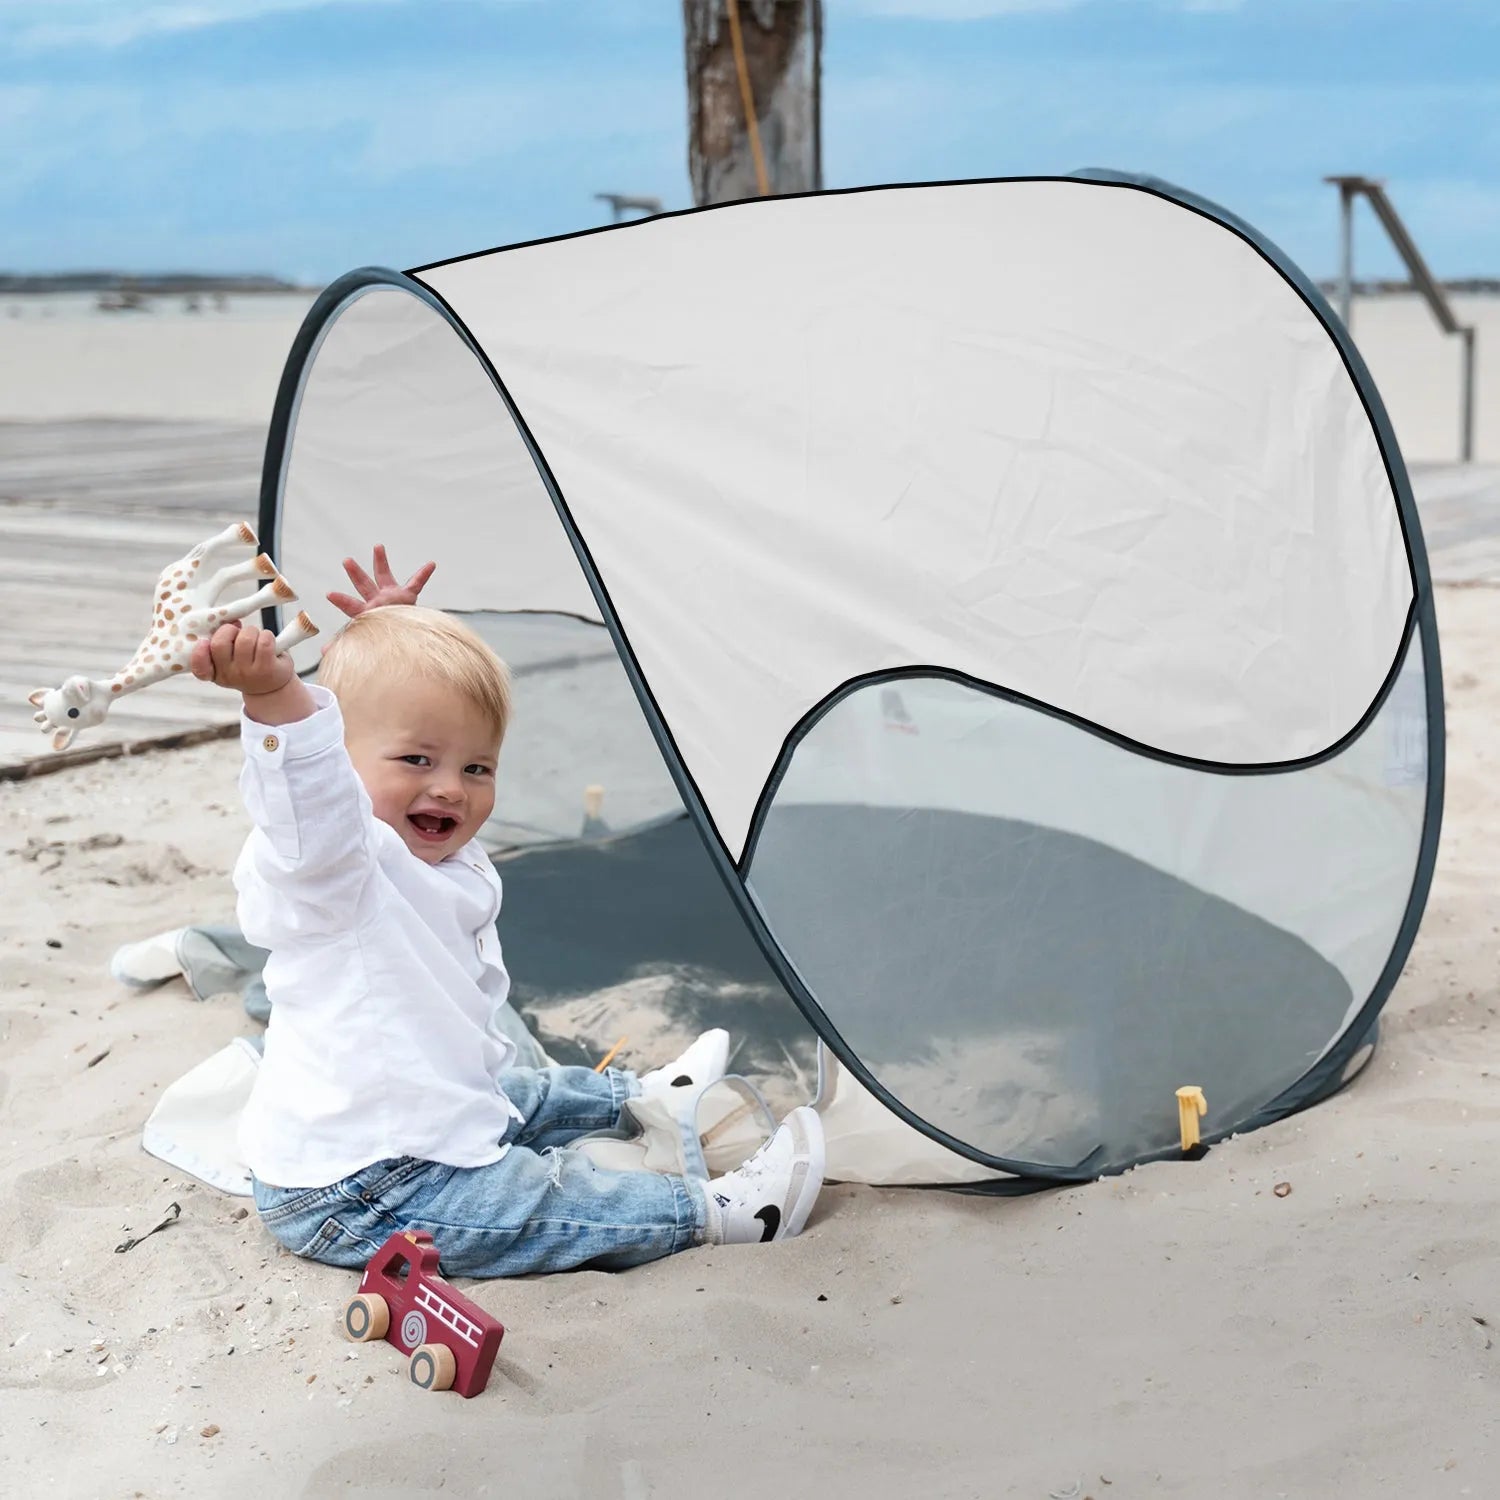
[770, 1216]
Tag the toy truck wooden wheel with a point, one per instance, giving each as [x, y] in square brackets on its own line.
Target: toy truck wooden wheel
[432, 1367]
[367, 1317]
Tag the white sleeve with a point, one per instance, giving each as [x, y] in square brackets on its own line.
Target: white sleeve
[313, 850]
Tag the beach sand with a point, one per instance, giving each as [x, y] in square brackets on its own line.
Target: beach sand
[1178, 1331]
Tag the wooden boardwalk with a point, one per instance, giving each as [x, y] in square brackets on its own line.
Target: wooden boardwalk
[91, 510]
[1460, 509]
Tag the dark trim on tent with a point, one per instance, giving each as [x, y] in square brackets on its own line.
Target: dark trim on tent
[1421, 613]
[852, 685]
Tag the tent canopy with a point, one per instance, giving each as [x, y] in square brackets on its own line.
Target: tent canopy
[1014, 583]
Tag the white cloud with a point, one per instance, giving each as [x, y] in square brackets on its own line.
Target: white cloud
[977, 10]
[1261, 148]
[38, 25]
[944, 10]
[436, 120]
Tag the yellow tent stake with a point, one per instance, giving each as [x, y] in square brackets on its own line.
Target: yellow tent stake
[609, 1056]
[1190, 1105]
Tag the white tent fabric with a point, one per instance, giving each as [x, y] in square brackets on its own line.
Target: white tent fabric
[1093, 447]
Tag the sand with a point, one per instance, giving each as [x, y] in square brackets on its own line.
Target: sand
[1178, 1331]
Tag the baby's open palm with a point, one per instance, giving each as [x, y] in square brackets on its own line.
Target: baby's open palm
[382, 588]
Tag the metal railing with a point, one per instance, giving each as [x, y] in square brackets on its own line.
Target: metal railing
[1374, 189]
[621, 204]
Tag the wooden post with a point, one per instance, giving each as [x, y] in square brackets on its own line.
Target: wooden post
[779, 43]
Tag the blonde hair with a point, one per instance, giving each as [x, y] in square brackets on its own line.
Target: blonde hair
[408, 639]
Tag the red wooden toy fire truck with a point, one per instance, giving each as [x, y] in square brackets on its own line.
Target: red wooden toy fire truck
[451, 1342]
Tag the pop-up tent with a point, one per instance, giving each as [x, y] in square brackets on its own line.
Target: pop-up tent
[1011, 589]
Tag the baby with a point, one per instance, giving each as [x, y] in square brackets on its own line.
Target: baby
[387, 1098]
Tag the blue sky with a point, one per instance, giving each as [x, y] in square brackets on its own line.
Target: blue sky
[304, 137]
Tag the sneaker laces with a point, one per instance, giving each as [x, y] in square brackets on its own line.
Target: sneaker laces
[758, 1165]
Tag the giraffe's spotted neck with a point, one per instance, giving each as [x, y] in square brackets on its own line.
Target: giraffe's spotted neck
[148, 665]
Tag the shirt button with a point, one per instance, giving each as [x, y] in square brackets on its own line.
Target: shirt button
[270, 742]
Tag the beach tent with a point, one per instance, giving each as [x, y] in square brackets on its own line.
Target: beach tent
[1009, 590]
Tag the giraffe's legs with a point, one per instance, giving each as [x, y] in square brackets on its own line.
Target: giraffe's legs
[259, 566]
[299, 630]
[233, 539]
[278, 591]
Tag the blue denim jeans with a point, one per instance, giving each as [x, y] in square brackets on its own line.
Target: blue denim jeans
[539, 1208]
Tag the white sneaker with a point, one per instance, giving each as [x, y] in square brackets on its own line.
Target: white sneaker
[770, 1197]
[705, 1062]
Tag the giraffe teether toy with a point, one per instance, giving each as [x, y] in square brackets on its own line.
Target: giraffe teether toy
[186, 607]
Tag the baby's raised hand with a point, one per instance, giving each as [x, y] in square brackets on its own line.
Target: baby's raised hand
[382, 588]
[242, 659]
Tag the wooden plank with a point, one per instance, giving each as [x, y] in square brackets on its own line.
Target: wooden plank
[24, 766]
[90, 511]
[156, 466]
[49, 578]
[1477, 563]
[1460, 509]
[139, 538]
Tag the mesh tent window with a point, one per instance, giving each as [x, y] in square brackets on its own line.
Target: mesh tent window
[1014, 587]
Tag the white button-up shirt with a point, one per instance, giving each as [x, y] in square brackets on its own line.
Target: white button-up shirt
[384, 976]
